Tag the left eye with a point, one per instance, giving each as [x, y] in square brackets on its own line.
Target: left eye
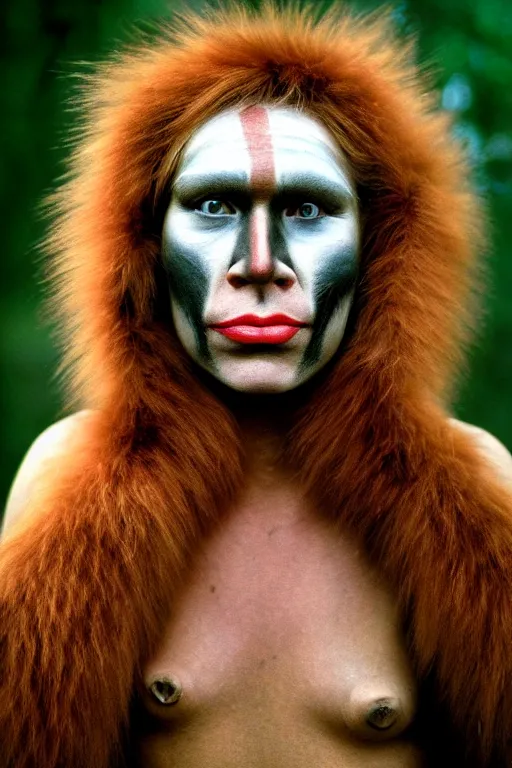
[216, 208]
[305, 211]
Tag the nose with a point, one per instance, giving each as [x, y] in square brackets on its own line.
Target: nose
[257, 264]
[260, 266]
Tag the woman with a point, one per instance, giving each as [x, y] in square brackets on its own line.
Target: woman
[266, 522]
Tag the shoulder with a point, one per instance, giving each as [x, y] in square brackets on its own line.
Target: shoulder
[54, 442]
[490, 447]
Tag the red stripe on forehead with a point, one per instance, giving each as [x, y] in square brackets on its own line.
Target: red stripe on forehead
[256, 128]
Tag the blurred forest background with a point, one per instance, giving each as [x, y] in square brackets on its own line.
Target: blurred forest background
[468, 46]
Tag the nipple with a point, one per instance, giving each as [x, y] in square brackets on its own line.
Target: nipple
[375, 717]
[383, 714]
[166, 690]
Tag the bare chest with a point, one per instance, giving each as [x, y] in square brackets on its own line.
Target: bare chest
[282, 629]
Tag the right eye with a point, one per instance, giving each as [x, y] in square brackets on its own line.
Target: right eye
[216, 208]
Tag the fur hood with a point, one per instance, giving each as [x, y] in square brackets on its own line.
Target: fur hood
[82, 588]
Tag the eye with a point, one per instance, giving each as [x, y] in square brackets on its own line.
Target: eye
[216, 208]
[305, 211]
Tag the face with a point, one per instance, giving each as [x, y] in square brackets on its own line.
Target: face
[261, 243]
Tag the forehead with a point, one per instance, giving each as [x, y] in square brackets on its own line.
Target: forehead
[234, 139]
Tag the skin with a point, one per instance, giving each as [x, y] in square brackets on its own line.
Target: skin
[284, 647]
[263, 219]
[285, 641]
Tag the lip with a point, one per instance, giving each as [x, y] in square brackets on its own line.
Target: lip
[259, 322]
[252, 329]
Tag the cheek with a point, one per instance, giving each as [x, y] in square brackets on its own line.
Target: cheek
[334, 327]
[189, 276]
[325, 255]
[189, 282]
[195, 252]
[333, 275]
[331, 279]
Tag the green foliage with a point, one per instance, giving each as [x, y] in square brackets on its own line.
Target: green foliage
[467, 45]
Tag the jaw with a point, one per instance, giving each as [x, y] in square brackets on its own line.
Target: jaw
[258, 373]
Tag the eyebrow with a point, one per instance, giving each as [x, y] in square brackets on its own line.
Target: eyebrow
[303, 183]
[197, 184]
[332, 191]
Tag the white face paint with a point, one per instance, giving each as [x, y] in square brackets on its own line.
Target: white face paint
[261, 244]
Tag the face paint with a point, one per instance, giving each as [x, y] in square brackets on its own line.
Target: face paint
[333, 292]
[256, 128]
[190, 285]
[261, 244]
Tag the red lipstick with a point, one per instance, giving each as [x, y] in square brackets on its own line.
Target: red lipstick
[251, 329]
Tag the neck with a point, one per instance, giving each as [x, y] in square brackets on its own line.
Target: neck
[263, 422]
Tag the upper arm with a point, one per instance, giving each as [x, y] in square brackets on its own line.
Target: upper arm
[490, 447]
[54, 443]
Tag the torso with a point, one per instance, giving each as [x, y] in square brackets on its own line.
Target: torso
[281, 634]
[283, 637]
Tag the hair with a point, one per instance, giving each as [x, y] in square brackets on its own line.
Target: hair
[84, 585]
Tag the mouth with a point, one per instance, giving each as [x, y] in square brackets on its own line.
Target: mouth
[251, 329]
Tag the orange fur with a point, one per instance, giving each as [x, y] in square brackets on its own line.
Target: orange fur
[83, 588]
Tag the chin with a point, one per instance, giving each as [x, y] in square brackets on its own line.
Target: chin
[260, 377]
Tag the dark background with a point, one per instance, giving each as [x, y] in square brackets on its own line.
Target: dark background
[468, 46]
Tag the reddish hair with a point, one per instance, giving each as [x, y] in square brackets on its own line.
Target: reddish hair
[83, 587]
